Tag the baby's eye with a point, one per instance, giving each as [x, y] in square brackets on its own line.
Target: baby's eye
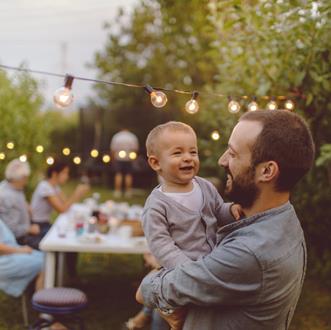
[177, 153]
[194, 152]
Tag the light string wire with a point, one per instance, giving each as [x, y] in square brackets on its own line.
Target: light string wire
[178, 91]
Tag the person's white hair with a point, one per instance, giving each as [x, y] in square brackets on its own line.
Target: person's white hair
[17, 170]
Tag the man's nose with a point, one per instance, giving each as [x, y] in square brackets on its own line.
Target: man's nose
[223, 160]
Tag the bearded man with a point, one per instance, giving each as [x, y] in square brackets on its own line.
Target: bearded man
[253, 277]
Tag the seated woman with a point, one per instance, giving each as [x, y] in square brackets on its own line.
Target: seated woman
[14, 209]
[48, 197]
[19, 265]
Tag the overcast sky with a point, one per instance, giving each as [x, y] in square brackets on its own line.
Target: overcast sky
[59, 36]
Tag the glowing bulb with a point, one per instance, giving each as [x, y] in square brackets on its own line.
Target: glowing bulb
[272, 105]
[289, 105]
[122, 154]
[233, 106]
[66, 151]
[192, 106]
[50, 160]
[253, 106]
[77, 160]
[10, 145]
[2, 156]
[158, 98]
[132, 155]
[106, 158]
[23, 158]
[215, 135]
[39, 149]
[63, 96]
[94, 153]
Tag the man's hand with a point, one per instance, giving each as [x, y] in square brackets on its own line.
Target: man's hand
[175, 319]
[34, 229]
[150, 260]
[236, 211]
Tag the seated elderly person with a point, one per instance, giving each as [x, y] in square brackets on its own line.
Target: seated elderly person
[14, 209]
[19, 265]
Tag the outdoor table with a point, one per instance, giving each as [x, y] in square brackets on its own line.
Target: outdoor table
[53, 243]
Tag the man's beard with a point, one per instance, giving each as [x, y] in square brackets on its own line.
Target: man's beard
[243, 189]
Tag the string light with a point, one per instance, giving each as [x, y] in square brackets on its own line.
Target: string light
[23, 158]
[2, 156]
[94, 153]
[39, 149]
[50, 160]
[253, 106]
[289, 105]
[132, 155]
[272, 105]
[106, 158]
[233, 106]
[158, 98]
[122, 154]
[215, 135]
[66, 151]
[77, 160]
[63, 96]
[10, 145]
[192, 106]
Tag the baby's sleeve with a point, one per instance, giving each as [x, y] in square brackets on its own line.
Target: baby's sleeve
[160, 242]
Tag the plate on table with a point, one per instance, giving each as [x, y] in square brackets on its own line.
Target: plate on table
[91, 238]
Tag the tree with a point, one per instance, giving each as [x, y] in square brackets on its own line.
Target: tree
[21, 119]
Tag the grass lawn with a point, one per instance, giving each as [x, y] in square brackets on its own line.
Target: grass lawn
[110, 282]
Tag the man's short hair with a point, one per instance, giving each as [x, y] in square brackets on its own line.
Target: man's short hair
[286, 139]
[152, 141]
[17, 170]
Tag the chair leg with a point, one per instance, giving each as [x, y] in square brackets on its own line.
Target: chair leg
[25, 309]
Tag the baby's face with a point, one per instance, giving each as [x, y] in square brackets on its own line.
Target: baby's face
[178, 156]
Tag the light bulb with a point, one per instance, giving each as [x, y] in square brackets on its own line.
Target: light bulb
[23, 158]
[63, 96]
[215, 135]
[2, 155]
[106, 158]
[289, 105]
[94, 153]
[66, 151]
[50, 160]
[77, 160]
[39, 149]
[158, 98]
[272, 105]
[192, 106]
[253, 106]
[233, 106]
[122, 154]
[10, 145]
[132, 155]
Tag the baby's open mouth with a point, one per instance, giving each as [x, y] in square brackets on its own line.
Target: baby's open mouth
[186, 168]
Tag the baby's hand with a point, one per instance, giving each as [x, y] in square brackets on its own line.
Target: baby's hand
[176, 319]
[236, 211]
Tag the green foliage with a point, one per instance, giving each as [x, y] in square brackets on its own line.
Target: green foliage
[254, 48]
[21, 119]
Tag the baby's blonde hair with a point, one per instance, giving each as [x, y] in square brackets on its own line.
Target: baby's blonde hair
[152, 141]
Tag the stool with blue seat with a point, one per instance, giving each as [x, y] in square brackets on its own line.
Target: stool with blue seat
[63, 304]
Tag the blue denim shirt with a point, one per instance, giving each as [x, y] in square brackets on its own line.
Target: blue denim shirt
[252, 279]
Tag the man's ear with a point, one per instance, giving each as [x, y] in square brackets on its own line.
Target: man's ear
[267, 171]
[154, 163]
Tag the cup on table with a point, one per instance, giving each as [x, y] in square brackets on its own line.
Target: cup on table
[61, 229]
[124, 232]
